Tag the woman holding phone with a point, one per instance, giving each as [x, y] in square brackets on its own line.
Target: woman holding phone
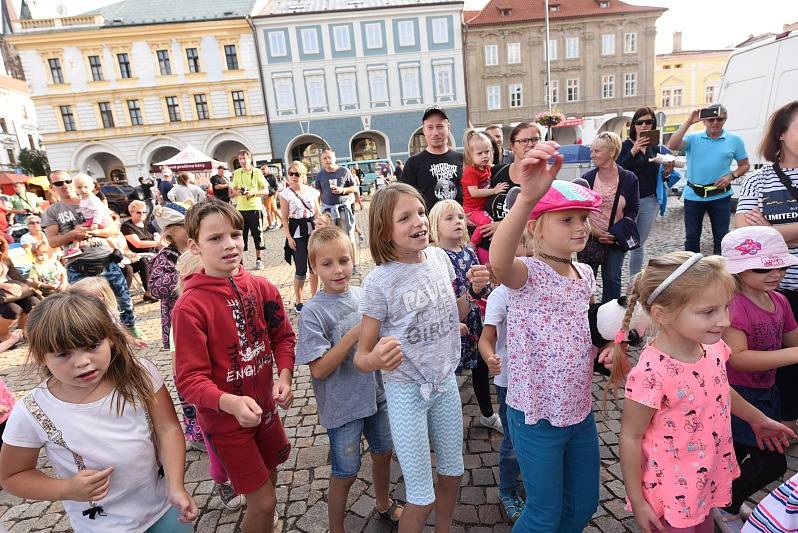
[634, 157]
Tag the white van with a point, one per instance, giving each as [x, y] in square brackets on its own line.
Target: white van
[758, 80]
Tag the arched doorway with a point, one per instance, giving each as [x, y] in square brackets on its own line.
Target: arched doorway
[161, 154]
[367, 146]
[308, 149]
[227, 153]
[104, 167]
[566, 135]
[619, 125]
[418, 143]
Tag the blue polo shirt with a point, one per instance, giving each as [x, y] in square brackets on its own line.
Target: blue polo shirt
[710, 159]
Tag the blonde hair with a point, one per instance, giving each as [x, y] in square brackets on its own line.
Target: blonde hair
[536, 235]
[474, 136]
[707, 272]
[135, 204]
[300, 166]
[187, 264]
[436, 214]
[610, 140]
[324, 236]
[75, 320]
[99, 288]
[382, 248]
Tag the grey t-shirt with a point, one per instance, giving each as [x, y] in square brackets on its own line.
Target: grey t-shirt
[323, 178]
[68, 216]
[347, 394]
[416, 304]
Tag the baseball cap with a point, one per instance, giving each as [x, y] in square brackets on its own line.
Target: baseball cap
[755, 247]
[564, 195]
[432, 111]
[169, 214]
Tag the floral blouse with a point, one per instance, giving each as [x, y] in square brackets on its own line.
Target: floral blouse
[462, 262]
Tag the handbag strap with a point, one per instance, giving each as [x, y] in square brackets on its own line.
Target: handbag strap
[303, 201]
[615, 202]
[792, 189]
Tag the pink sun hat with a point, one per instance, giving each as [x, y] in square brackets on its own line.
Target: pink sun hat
[755, 247]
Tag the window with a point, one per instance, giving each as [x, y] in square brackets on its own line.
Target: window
[201, 103]
[231, 56]
[135, 113]
[494, 97]
[373, 35]
[491, 55]
[411, 89]
[630, 43]
[193, 60]
[407, 32]
[310, 40]
[317, 92]
[554, 91]
[630, 84]
[277, 44]
[11, 158]
[239, 106]
[608, 44]
[709, 94]
[552, 50]
[444, 85]
[440, 30]
[96, 68]
[347, 90]
[677, 97]
[284, 95]
[341, 37]
[163, 62]
[608, 86]
[571, 47]
[55, 70]
[68, 118]
[378, 87]
[124, 66]
[3, 127]
[667, 98]
[572, 90]
[513, 53]
[31, 142]
[516, 95]
[173, 107]
[106, 114]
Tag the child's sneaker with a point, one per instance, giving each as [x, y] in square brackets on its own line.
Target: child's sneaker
[510, 507]
[230, 499]
[72, 251]
[492, 422]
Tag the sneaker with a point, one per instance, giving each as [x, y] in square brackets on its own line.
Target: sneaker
[230, 499]
[492, 422]
[72, 251]
[509, 507]
[298, 307]
[258, 264]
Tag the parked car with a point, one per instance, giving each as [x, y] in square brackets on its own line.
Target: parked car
[376, 173]
[119, 196]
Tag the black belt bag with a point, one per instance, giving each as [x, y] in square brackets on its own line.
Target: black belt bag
[96, 267]
[707, 191]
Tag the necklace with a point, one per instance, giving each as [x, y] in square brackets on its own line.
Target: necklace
[555, 258]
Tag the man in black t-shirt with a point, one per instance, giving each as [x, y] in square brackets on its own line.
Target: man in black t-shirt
[221, 185]
[436, 171]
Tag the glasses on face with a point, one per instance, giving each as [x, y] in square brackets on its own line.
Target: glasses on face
[33, 223]
[767, 270]
[295, 174]
[645, 121]
[528, 140]
[140, 212]
[715, 119]
[61, 183]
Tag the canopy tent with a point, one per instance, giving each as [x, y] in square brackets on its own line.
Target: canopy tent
[188, 159]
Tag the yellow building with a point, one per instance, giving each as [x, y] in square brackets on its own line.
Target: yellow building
[686, 80]
[124, 87]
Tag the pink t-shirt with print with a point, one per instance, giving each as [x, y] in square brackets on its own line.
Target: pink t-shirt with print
[7, 400]
[548, 344]
[688, 455]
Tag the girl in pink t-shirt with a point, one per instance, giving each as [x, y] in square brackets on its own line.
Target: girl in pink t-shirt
[677, 455]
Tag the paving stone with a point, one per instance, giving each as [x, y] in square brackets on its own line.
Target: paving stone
[472, 495]
[314, 520]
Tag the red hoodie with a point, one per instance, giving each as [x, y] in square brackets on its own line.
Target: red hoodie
[228, 333]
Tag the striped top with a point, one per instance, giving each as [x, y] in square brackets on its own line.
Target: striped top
[777, 512]
[762, 190]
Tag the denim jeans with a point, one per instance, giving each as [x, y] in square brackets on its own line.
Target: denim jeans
[719, 212]
[649, 209]
[116, 279]
[509, 471]
[560, 467]
[611, 274]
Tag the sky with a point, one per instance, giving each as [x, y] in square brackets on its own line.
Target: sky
[705, 24]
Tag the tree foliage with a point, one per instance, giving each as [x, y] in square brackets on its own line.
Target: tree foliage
[33, 162]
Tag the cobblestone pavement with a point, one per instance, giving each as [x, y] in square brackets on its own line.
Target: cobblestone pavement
[303, 479]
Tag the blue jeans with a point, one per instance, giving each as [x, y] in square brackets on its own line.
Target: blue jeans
[560, 467]
[116, 279]
[509, 471]
[719, 212]
[649, 209]
[168, 524]
[345, 441]
[611, 274]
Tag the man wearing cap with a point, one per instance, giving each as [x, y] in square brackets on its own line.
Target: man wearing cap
[166, 184]
[63, 224]
[221, 185]
[436, 171]
[709, 157]
[497, 135]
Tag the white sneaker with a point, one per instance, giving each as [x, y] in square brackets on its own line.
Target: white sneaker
[258, 264]
[492, 422]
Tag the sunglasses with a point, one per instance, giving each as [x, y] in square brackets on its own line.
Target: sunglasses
[294, 174]
[528, 140]
[715, 119]
[61, 183]
[140, 212]
[646, 121]
[767, 270]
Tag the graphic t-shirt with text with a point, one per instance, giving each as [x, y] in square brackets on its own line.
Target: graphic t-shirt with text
[435, 176]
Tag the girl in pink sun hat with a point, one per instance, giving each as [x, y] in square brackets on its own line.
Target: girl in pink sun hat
[549, 409]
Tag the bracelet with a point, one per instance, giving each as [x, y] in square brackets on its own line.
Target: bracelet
[476, 296]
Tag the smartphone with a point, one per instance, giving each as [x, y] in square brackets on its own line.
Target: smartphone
[653, 136]
[709, 112]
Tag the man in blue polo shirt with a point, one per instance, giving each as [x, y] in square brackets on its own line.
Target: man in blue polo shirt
[709, 175]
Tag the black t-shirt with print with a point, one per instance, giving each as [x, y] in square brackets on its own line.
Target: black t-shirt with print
[435, 176]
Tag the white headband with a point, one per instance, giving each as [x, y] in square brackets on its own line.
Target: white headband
[684, 267]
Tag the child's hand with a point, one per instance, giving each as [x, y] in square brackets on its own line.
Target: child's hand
[605, 357]
[494, 363]
[355, 331]
[479, 276]
[463, 330]
[16, 334]
[185, 505]
[246, 410]
[89, 485]
[140, 343]
[647, 519]
[283, 395]
[772, 435]
[501, 187]
[388, 353]
[533, 172]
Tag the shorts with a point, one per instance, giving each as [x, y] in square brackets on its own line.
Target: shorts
[168, 523]
[415, 424]
[345, 441]
[250, 455]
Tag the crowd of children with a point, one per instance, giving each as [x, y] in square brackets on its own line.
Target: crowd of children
[699, 433]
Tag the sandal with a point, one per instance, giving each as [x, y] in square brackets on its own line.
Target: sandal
[390, 514]
[510, 508]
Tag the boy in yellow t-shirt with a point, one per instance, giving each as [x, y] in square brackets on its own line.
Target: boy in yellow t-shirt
[247, 188]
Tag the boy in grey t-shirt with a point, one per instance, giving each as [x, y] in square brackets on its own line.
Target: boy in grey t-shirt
[351, 403]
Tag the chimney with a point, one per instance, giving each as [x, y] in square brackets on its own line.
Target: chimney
[677, 41]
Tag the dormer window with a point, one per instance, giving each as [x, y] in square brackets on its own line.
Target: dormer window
[604, 4]
[554, 7]
[505, 11]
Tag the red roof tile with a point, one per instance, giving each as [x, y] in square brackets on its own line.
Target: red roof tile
[468, 15]
[533, 10]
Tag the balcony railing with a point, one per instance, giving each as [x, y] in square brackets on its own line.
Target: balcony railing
[61, 22]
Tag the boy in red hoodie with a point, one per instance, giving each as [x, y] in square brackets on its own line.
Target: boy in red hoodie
[230, 329]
